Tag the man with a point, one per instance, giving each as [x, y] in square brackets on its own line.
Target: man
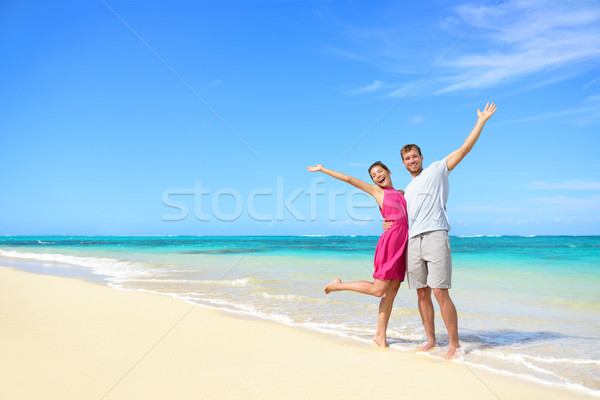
[429, 263]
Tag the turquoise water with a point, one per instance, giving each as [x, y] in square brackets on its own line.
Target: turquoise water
[527, 305]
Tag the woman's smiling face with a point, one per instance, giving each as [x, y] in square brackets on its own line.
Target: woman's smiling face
[380, 176]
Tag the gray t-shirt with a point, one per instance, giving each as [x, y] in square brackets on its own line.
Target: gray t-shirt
[426, 195]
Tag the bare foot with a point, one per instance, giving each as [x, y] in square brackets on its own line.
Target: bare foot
[428, 347]
[380, 341]
[453, 353]
[332, 287]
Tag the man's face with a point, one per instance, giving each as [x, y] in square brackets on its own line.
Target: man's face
[413, 161]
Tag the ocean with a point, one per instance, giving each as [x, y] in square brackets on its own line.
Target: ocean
[528, 306]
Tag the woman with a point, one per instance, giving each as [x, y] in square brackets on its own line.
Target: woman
[390, 256]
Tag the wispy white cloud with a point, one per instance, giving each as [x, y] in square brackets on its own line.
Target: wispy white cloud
[591, 83]
[485, 208]
[345, 53]
[402, 91]
[546, 221]
[566, 203]
[526, 37]
[366, 221]
[593, 98]
[574, 111]
[574, 184]
[417, 119]
[372, 87]
[550, 40]
[538, 206]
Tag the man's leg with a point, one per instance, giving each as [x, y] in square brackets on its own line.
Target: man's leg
[385, 310]
[439, 262]
[427, 316]
[416, 273]
[450, 320]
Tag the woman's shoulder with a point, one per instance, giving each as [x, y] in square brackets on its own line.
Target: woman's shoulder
[400, 191]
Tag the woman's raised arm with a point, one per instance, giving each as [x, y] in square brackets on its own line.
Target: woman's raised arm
[373, 190]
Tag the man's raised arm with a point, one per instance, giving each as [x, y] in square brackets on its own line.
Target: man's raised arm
[456, 156]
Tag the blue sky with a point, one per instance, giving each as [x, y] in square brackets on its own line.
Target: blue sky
[200, 117]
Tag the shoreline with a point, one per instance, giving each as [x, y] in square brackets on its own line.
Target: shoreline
[76, 339]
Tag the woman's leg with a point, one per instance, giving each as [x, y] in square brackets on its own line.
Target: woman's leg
[376, 288]
[387, 290]
[385, 310]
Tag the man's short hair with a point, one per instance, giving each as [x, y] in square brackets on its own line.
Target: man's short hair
[408, 148]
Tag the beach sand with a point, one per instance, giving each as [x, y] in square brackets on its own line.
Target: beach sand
[63, 338]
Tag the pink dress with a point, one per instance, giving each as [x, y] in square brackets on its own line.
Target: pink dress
[390, 254]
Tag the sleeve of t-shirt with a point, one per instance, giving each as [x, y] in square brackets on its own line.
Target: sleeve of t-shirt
[441, 167]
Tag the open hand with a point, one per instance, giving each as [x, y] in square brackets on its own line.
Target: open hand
[489, 110]
[316, 168]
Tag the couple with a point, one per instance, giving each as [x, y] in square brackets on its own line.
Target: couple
[415, 240]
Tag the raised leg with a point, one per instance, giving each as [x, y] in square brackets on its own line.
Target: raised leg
[376, 288]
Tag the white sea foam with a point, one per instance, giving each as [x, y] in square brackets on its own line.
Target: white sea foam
[490, 236]
[313, 235]
[563, 384]
[554, 360]
[245, 309]
[113, 268]
[196, 282]
[532, 363]
[233, 282]
[160, 280]
[523, 357]
[280, 296]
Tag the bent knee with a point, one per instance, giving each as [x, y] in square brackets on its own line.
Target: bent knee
[424, 293]
[395, 285]
[441, 294]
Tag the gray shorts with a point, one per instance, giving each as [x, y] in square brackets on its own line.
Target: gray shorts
[429, 262]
